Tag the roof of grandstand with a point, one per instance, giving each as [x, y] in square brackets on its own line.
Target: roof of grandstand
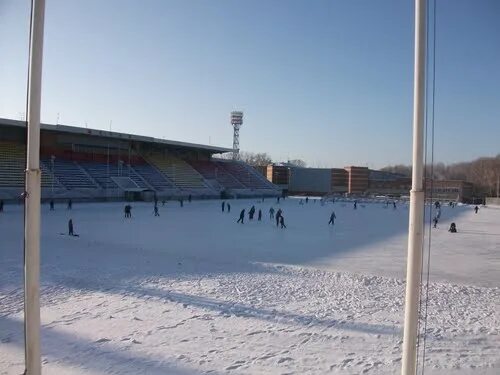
[115, 135]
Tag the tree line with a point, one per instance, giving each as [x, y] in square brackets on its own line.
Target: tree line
[483, 172]
[259, 159]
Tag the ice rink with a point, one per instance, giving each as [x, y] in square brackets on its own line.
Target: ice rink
[193, 292]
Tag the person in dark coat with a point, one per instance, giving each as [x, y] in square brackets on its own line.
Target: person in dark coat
[156, 211]
[251, 213]
[228, 208]
[435, 221]
[332, 218]
[181, 201]
[476, 209]
[223, 205]
[271, 213]
[394, 205]
[1, 205]
[259, 218]
[355, 205]
[282, 222]
[242, 217]
[190, 198]
[128, 211]
[70, 227]
[51, 205]
[307, 199]
[453, 228]
[70, 204]
[278, 215]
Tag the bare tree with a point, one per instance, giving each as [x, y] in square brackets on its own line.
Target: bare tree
[298, 163]
[256, 159]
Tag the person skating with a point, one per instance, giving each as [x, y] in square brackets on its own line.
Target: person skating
[181, 201]
[259, 218]
[476, 209]
[1, 205]
[435, 221]
[332, 218]
[223, 205]
[271, 213]
[51, 205]
[251, 213]
[70, 204]
[278, 215]
[282, 222]
[228, 207]
[355, 205]
[453, 228]
[190, 198]
[394, 205]
[242, 217]
[307, 200]
[70, 227]
[128, 211]
[278, 200]
[156, 211]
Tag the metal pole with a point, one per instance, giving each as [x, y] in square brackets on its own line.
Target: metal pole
[498, 184]
[33, 195]
[416, 225]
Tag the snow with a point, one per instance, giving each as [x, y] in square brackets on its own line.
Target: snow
[192, 292]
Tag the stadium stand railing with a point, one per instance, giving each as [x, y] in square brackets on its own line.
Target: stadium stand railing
[178, 171]
[212, 171]
[246, 175]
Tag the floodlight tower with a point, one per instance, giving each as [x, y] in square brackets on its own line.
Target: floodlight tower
[236, 122]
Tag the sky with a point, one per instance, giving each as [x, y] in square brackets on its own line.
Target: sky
[329, 82]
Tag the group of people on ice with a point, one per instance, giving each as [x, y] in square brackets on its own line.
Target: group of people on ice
[280, 219]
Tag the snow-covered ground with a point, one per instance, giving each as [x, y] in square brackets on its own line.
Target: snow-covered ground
[192, 292]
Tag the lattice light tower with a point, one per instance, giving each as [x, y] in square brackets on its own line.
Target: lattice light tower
[236, 122]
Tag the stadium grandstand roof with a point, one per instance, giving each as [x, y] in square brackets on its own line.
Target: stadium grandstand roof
[115, 135]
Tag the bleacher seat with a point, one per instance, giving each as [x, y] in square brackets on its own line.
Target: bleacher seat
[212, 171]
[13, 165]
[177, 170]
[245, 174]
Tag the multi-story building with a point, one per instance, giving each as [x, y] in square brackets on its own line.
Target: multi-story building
[357, 182]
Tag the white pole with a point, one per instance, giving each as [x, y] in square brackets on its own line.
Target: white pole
[416, 225]
[32, 198]
[498, 184]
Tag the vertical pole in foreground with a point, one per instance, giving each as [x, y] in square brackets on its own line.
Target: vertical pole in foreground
[32, 198]
[416, 225]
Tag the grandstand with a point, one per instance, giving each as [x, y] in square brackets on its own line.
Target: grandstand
[83, 163]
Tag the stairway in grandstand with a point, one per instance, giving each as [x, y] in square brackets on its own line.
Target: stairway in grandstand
[69, 174]
[102, 173]
[177, 170]
[13, 164]
[245, 174]
[153, 176]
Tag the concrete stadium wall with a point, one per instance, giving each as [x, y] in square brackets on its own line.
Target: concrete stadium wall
[311, 180]
[492, 201]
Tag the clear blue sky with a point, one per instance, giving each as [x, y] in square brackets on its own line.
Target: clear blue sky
[326, 81]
